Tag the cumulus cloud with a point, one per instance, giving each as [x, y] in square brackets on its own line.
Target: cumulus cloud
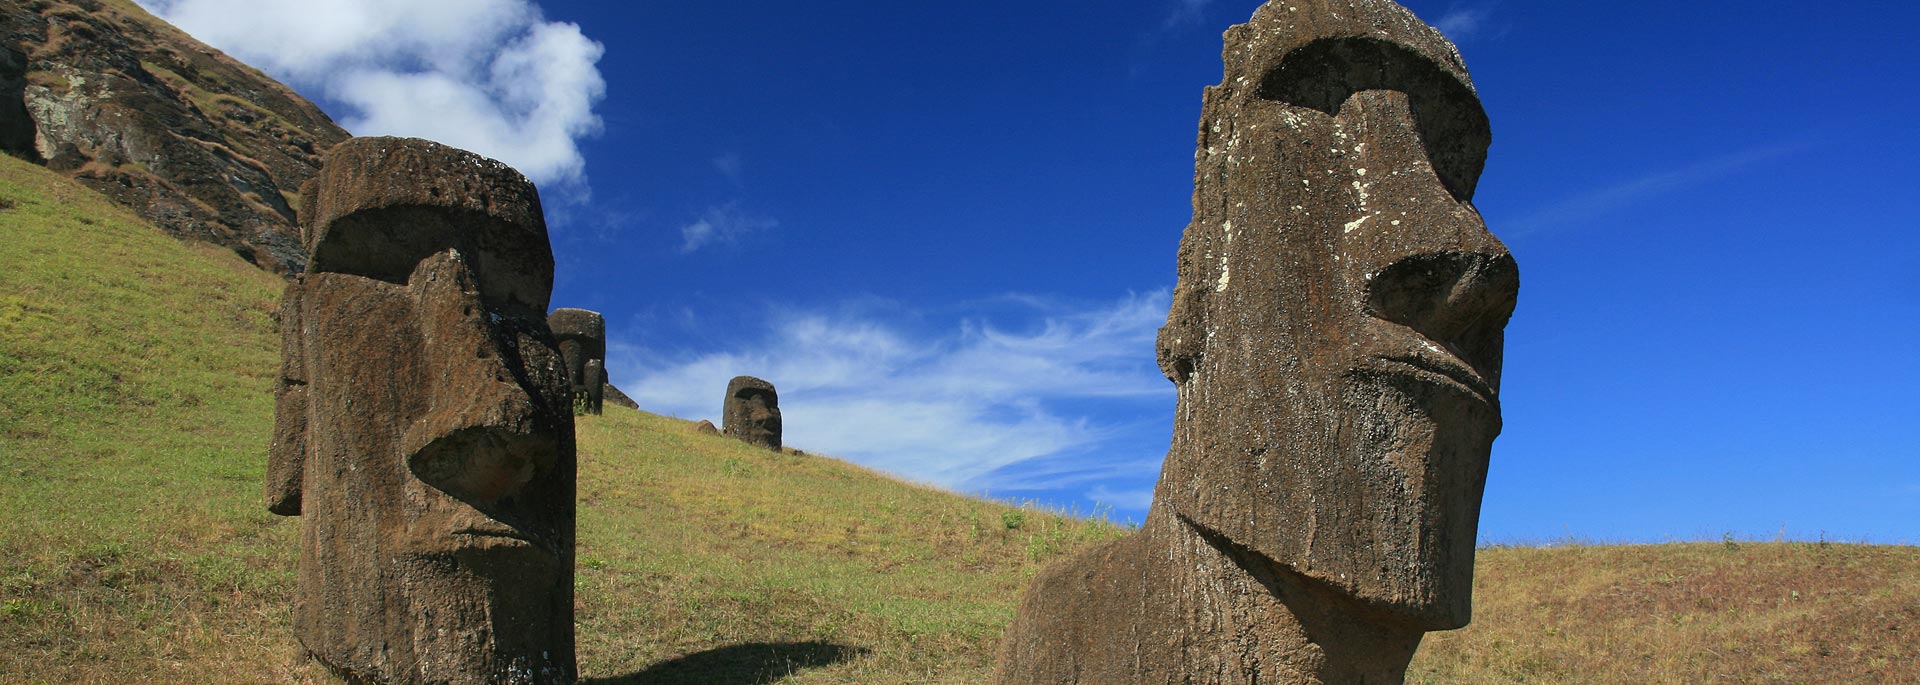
[971, 407]
[491, 76]
[722, 224]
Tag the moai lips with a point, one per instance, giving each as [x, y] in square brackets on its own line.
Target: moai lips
[1335, 338]
[423, 431]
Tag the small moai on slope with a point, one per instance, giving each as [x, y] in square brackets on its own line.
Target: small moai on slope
[1335, 340]
[583, 343]
[751, 412]
[422, 430]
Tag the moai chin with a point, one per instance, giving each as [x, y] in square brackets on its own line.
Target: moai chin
[751, 412]
[422, 431]
[582, 335]
[1335, 338]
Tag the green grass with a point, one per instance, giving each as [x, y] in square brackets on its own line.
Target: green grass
[135, 407]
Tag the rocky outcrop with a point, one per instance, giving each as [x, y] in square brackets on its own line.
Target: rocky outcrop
[1335, 338]
[422, 429]
[751, 412]
[199, 144]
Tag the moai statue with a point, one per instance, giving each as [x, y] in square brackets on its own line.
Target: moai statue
[751, 412]
[583, 343]
[422, 431]
[1335, 340]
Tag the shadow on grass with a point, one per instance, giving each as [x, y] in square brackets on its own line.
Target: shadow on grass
[753, 663]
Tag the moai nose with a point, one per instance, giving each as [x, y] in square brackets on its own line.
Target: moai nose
[479, 437]
[1460, 300]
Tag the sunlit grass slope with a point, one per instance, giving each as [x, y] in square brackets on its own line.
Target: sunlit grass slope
[135, 378]
[135, 406]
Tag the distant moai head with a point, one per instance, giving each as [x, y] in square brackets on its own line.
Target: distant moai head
[422, 430]
[1336, 332]
[752, 412]
[582, 335]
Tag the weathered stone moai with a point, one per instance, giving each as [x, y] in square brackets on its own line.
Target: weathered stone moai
[1335, 339]
[583, 343]
[751, 412]
[422, 431]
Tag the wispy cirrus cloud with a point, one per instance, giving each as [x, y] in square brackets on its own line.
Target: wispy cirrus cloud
[1185, 13]
[1600, 201]
[1464, 20]
[972, 406]
[491, 76]
[721, 225]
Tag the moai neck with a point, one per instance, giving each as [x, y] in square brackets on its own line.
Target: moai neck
[1272, 625]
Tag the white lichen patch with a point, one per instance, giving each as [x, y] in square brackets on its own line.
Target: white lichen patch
[1357, 222]
[1226, 276]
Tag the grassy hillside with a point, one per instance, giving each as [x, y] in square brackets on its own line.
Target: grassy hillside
[134, 412]
[135, 407]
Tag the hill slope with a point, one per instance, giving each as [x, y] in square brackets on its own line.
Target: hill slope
[194, 141]
[135, 378]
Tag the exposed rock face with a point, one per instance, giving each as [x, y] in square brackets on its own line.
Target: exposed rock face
[1335, 337]
[422, 430]
[583, 343]
[751, 412]
[199, 144]
[612, 395]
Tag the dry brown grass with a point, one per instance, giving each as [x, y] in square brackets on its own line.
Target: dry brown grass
[1781, 612]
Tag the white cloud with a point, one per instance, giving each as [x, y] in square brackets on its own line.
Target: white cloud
[1185, 12]
[951, 408]
[722, 224]
[1596, 202]
[491, 76]
[1462, 21]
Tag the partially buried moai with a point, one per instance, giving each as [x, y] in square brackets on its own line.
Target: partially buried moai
[1335, 340]
[582, 335]
[422, 431]
[751, 412]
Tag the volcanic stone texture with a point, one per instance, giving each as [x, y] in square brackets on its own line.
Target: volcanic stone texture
[1335, 338]
[423, 429]
[200, 145]
[751, 412]
[583, 342]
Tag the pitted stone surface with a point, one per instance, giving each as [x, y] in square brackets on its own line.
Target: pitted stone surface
[751, 412]
[422, 430]
[1335, 339]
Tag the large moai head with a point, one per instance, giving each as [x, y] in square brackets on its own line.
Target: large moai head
[1336, 332]
[582, 335]
[751, 412]
[422, 430]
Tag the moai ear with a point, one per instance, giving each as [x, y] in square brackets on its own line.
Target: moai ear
[287, 455]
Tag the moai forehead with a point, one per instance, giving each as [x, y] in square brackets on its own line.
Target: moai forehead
[381, 205]
[588, 327]
[1335, 332]
[743, 387]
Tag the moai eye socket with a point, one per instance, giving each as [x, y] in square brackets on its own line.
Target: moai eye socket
[1453, 128]
[388, 243]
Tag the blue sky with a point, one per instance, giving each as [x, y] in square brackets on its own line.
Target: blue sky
[946, 231]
